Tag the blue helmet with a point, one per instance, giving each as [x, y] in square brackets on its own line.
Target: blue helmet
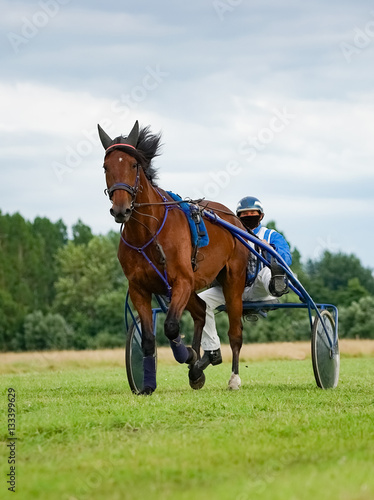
[249, 203]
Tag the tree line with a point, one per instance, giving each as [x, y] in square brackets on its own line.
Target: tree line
[61, 292]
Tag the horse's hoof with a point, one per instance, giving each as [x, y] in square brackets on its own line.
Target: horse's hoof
[196, 377]
[198, 383]
[147, 391]
[234, 382]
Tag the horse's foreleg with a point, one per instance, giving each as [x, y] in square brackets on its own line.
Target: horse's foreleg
[197, 307]
[142, 303]
[181, 293]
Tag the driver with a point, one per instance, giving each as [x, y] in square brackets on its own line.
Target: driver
[263, 285]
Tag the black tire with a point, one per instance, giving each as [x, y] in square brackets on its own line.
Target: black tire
[134, 357]
[326, 360]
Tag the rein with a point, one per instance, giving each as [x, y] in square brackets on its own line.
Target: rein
[133, 191]
[186, 200]
[168, 206]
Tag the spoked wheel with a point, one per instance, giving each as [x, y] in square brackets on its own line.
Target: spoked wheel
[134, 357]
[326, 359]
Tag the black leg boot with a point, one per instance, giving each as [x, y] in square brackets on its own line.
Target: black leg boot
[278, 285]
[196, 372]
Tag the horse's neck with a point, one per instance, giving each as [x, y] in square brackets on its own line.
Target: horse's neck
[147, 219]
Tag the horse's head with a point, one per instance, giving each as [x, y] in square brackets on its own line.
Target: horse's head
[121, 168]
[124, 158]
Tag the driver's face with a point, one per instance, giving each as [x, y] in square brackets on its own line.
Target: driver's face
[251, 218]
[249, 212]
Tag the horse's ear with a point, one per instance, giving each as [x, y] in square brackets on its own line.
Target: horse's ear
[106, 141]
[132, 139]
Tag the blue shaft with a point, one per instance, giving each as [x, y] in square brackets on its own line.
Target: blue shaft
[242, 236]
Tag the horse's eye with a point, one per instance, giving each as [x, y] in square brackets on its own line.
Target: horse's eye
[104, 167]
[135, 165]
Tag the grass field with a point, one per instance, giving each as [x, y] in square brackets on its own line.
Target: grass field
[81, 434]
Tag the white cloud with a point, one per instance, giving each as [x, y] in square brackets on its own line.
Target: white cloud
[31, 107]
[221, 82]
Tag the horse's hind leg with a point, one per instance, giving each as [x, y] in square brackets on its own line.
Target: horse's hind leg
[234, 307]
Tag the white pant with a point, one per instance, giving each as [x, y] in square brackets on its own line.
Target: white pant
[214, 297]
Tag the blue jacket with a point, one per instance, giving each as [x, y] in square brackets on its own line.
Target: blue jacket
[276, 240]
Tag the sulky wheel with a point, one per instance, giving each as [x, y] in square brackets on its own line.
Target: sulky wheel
[134, 357]
[326, 359]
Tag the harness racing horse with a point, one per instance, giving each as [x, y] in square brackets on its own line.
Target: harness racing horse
[155, 253]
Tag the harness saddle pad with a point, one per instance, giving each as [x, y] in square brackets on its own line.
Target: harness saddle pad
[199, 234]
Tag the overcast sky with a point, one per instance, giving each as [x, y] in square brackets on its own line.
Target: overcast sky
[272, 99]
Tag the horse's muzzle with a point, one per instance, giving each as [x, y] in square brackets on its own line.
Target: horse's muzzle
[121, 216]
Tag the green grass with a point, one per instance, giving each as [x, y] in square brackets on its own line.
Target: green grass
[83, 435]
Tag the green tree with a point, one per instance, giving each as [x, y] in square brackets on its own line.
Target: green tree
[82, 234]
[11, 319]
[47, 332]
[357, 320]
[51, 237]
[91, 288]
[353, 292]
[328, 278]
[20, 253]
[27, 258]
[27, 272]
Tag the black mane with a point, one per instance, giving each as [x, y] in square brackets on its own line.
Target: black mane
[148, 146]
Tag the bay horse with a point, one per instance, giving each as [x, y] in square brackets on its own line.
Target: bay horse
[155, 253]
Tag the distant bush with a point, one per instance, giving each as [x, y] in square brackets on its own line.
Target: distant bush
[357, 320]
[106, 340]
[47, 332]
